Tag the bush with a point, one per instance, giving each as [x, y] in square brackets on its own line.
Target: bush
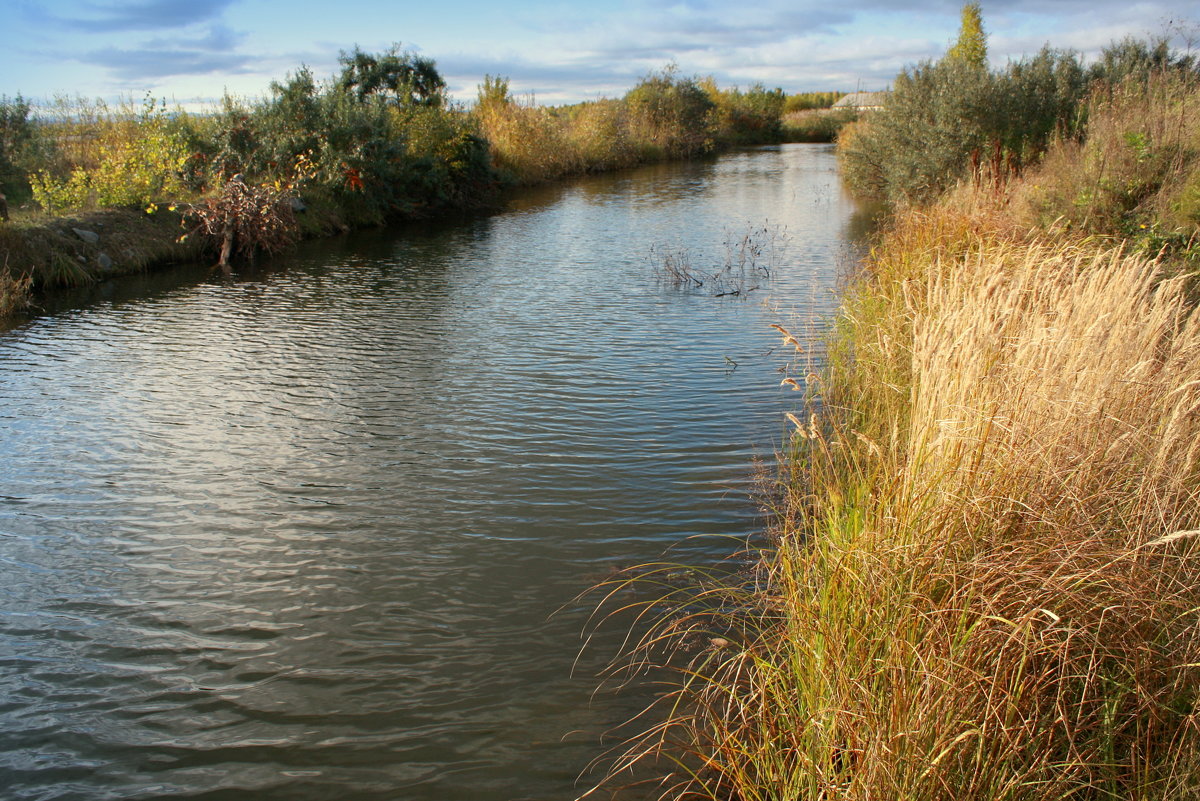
[921, 141]
[671, 116]
[599, 132]
[1136, 171]
[529, 144]
[134, 162]
[399, 77]
[945, 118]
[1139, 59]
[750, 117]
[375, 147]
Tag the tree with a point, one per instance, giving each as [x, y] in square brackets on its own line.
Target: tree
[404, 78]
[16, 132]
[971, 47]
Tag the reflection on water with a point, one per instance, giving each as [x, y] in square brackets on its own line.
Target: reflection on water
[305, 532]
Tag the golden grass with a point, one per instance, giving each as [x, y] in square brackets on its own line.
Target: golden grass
[984, 581]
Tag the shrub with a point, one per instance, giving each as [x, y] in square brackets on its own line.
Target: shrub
[670, 116]
[937, 115]
[1138, 59]
[400, 77]
[528, 142]
[750, 117]
[1134, 173]
[945, 118]
[599, 133]
[244, 217]
[134, 162]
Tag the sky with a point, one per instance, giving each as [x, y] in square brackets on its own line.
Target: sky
[192, 51]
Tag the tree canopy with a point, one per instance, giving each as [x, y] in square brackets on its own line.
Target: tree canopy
[399, 76]
[971, 47]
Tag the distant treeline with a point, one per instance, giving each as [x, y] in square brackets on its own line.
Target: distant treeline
[807, 101]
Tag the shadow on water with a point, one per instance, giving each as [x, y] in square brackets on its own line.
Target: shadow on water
[318, 528]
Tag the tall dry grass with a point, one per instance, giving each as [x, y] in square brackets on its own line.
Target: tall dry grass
[984, 582]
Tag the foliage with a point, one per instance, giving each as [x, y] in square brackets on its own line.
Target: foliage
[1138, 59]
[16, 132]
[750, 117]
[363, 151]
[1134, 173]
[493, 91]
[135, 163]
[379, 140]
[947, 118]
[401, 77]
[817, 125]
[665, 116]
[953, 118]
[971, 46]
[246, 217]
[921, 141]
[600, 133]
[14, 292]
[806, 101]
[1039, 98]
[671, 116]
[528, 142]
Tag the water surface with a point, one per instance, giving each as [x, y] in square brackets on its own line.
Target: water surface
[303, 533]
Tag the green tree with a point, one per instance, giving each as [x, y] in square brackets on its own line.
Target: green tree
[971, 47]
[404, 78]
[16, 132]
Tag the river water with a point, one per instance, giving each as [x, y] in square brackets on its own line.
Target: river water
[316, 530]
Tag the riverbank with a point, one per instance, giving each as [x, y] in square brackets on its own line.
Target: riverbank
[44, 253]
[984, 568]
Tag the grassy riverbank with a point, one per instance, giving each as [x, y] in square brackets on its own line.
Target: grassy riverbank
[983, 577]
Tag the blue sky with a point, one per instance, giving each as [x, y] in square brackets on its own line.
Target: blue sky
[194, 50]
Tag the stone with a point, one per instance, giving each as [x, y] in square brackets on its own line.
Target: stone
[104, 261]
[91, 237]
[298, 205]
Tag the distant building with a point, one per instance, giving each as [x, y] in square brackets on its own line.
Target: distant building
[863, 101]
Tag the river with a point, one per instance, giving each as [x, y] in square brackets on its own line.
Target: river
[316, 530]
